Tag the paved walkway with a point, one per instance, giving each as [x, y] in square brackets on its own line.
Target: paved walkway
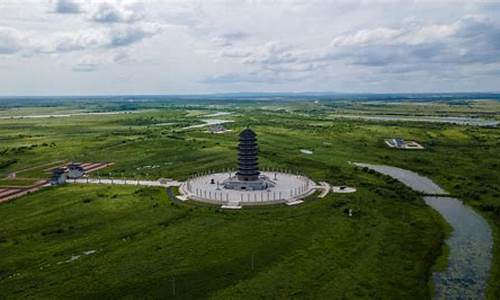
[125, 182]
[325, 187]
[287, 187]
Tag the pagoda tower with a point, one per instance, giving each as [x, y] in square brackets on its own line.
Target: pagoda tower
[248, 176]
[248, 169]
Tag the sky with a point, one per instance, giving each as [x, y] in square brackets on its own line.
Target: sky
[104, 47]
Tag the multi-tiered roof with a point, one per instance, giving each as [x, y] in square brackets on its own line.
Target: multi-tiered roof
[248, 169]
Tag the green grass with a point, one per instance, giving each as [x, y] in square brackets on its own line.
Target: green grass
[143, 241]
[463, 160]
[18, 182]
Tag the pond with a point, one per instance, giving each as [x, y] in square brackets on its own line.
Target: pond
[470, 244]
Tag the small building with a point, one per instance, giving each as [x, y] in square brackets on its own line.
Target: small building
[400, 143]
[75, 171]
[218, 128]
[59, 176]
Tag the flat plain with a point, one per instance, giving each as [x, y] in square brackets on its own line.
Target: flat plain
[113, 241]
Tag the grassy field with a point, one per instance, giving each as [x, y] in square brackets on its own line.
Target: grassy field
[144, 242]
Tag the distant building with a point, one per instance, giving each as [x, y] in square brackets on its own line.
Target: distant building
[59, 176]
[75, 171]
[217, 128]
[400, 143]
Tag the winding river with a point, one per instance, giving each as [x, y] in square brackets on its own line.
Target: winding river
[470, 244]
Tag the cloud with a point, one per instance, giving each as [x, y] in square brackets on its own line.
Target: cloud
[471, 39]
[235, 35]
[129, 35]
[115, 11]
[10, 40]
[102, 11]
[75, 41]
[93, 62]
[236, 52]
[87, 39]
[230, 78]
[29, 43]
[310, 44]
[121, 56]
[124, 27]
[85, 67]
[274, 52]
[367, 37]
[468, 40]
[229, 38]
[259, 77]
[66, 6]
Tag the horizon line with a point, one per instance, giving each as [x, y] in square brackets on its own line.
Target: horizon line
[310, 93]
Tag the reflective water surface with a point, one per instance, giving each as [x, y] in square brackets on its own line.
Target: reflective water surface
[470, 244]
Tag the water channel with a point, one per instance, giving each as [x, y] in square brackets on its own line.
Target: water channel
[470, 244]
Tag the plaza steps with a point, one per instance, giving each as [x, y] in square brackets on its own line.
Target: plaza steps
[295, 202]
[231, 205]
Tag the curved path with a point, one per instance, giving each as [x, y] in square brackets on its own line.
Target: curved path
[470, 243]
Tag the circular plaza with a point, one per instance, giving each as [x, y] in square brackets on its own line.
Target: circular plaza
[247, 185]
[284, 188]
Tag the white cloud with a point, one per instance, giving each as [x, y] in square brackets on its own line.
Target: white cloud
[115, 11]
[85, 67]
[229, 38]
[91, 63]
[10, 40]
[101, 11]
[467, 40]
[193, 45]
[252, 77]
[367, 37]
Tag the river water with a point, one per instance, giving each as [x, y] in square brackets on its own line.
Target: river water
[106, 113]
[209, 122]
[470, 244]
[428, 119]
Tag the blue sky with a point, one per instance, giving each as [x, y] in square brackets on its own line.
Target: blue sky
[98, 47]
